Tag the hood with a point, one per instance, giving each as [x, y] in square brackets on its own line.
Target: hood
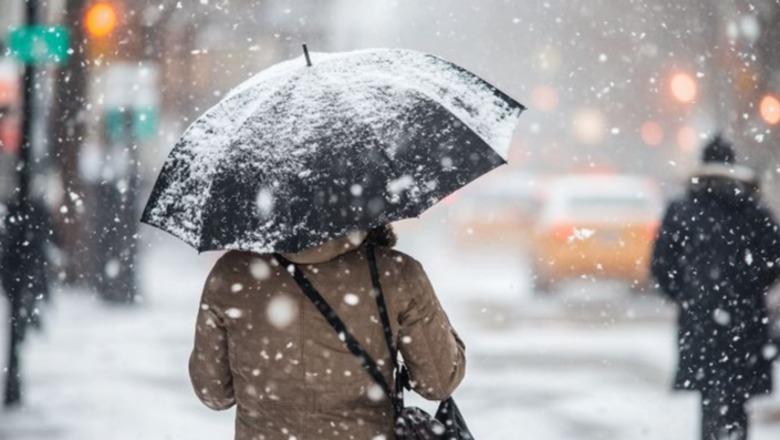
[328, 250]
[734, 185]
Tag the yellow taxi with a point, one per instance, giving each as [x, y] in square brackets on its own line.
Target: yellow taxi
[497, 211]
[596, 226]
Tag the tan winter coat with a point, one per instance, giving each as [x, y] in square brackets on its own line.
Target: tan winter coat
[261, 344]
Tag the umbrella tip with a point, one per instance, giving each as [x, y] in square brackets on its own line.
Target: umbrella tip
[306, 54]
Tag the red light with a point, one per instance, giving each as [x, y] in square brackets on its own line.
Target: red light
[562, 232]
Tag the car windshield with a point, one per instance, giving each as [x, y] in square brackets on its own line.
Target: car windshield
[609, 207]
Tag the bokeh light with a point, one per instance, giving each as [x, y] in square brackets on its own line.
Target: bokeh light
[687, 138]
[547, 59]
[9, 92]
[652, 133]
[544, 98]
[770, 109]
[589, 126]
[684, 88]
[100, 19]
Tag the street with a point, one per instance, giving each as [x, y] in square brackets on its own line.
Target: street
[593, 362]
[568, 172]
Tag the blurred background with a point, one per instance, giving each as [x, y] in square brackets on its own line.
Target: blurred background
[541, 265]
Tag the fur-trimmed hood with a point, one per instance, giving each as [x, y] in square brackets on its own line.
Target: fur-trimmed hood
[727, 171]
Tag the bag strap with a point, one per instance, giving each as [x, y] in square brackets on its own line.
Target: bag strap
[381, 305]
[338, 325]
[400, 374]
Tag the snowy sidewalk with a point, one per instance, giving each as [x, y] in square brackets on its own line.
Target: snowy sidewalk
[101, 372]
[104, 372]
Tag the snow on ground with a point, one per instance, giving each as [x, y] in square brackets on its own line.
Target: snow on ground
[593, 362]
[106, 372]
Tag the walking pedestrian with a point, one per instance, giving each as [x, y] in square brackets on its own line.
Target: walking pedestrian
[298, 173]
[260, 343]
[716, 256]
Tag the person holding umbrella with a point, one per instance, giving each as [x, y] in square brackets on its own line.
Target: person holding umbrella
[312, 324]
[716, 256]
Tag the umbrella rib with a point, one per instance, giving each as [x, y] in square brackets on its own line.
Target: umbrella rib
[236, 130]
[231, 140]
[382, 151]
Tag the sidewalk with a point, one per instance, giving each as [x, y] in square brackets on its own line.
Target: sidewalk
[107, 373]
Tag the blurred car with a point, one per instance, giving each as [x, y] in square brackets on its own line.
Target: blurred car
[600, 226]
[499, 210]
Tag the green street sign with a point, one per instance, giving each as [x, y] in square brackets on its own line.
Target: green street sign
[40, 44]
[131, 124]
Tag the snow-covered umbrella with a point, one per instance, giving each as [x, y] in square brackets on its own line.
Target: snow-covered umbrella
[312, 148]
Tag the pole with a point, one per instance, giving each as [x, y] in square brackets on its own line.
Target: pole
[25, 152]
[306, 54]
[68, 131]
[13, 386]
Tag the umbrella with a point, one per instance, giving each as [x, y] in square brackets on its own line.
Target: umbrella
[312, 148]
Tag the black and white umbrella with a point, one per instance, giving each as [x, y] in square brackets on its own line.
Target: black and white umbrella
[312, 148]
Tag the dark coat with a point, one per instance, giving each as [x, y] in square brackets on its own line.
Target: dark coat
[716, 256]
[24, 264]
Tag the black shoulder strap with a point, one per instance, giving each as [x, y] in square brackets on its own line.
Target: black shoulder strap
[401, 375]
[338, 325]
[381, 305]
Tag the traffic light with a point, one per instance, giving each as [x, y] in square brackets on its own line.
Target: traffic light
[100, 19]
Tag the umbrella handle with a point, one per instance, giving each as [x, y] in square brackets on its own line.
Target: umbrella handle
[306, 54]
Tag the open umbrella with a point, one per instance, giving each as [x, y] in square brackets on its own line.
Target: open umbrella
[312, 148]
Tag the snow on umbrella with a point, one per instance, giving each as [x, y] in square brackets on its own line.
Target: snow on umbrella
[308, 150]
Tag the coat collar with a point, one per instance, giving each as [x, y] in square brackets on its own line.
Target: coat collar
[728, 171]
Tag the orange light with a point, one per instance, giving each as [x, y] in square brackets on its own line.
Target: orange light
[686, 138]
[652, 133]
[770, 109]
[545, 98]
[683, 87]
[589, 126]
[100, 19]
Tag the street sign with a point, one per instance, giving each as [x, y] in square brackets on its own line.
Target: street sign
[131, 124]
[40, 44]
[130, 99]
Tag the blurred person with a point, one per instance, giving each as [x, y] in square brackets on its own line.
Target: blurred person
[716, 256]
[262, 345]
[25, 232]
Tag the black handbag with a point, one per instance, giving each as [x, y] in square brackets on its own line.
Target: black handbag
[411, 423]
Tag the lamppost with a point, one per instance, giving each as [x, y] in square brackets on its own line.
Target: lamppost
[15, 259]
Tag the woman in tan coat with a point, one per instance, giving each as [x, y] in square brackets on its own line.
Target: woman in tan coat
[262, 345]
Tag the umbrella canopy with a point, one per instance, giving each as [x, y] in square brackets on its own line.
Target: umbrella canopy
[300, 154]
